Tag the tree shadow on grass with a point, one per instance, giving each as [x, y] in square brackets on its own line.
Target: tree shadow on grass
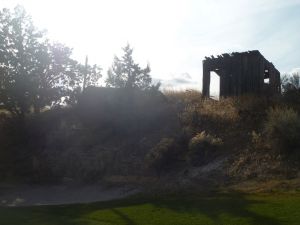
[213, 206]
[124, 217]
[235, 205]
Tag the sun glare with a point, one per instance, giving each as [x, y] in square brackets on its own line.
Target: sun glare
[173, 36]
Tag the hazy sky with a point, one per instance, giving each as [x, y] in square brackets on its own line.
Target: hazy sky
[172, 35]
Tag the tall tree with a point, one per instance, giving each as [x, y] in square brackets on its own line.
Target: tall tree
[290, 82]
[34, 73]
[125, 73]
[90, 74]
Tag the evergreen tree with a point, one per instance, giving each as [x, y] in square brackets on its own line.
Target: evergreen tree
[125, 73]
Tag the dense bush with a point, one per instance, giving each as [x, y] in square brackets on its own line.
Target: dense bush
[108, 132]
[15, 159]
[162, 155]
[88, 165]
[292, 99]
[259, 142]
[201, 146]
[126, 111]
[283, 128]
[252, 109]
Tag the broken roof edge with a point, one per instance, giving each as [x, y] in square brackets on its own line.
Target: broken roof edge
[233, 54]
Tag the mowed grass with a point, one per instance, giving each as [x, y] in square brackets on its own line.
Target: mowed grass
[179, 209]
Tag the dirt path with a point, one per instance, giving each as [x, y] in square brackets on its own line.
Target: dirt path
[56, 195]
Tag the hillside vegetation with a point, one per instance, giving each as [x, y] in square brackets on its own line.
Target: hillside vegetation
[118, 134]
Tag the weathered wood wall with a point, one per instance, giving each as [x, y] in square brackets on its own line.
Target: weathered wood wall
[241, 73]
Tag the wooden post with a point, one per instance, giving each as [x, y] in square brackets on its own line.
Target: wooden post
[205, 80]
[85, 73]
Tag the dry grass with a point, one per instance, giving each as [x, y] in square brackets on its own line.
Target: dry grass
[258, 186]
[183, 97]
[191, 102]
[224, 109]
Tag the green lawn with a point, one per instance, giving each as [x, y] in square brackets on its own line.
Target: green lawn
[217, 209]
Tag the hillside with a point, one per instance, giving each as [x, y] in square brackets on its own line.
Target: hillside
[167, 140]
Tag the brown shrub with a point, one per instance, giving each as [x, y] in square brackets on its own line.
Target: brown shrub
[201, 146]
[283, 128]
[161, 156]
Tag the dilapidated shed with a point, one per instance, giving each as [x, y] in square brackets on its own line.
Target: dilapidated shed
[241, 73]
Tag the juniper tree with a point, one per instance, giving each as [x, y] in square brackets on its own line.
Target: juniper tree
[125, 73]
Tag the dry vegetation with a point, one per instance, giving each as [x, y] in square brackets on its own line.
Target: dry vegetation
[176, 135]
[259, 134]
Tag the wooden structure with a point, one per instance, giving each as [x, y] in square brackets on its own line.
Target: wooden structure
[241, 73]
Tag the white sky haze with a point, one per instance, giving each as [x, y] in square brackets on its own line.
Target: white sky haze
[172, 35]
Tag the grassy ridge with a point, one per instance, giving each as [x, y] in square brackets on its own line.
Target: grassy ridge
[215, 209]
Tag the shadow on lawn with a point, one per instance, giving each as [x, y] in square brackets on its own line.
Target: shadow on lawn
[212, 206]
[124, 217]
[235, 205]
